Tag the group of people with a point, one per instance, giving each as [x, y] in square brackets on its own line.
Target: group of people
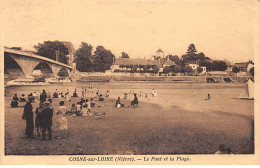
[134, 103]
[43, 120]
[15, 101]
[44, 113]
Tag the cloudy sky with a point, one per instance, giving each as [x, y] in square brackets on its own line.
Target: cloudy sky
[221, 29]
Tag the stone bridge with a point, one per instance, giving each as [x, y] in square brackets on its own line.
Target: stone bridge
[25, 63]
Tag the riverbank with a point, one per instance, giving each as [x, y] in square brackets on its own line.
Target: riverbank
[164, 79]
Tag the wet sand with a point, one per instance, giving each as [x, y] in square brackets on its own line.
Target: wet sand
[174, 122]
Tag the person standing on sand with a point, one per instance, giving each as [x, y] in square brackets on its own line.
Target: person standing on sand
[38, 117]
[152, 92]
[43, 96]
[134, 103]
[46, 120]
[61, 119]
[28, 116]
[88, 105]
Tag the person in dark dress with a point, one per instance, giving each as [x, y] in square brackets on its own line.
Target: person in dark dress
[46, 120]
[38, 117]
[14, 102]
[134, 103]
[28, 116]
[43, 96]
[55, 94]
[101, 98]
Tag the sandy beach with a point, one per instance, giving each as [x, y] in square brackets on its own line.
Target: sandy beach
[177, 121]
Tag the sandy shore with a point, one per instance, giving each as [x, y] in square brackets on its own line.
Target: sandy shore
[174, 122]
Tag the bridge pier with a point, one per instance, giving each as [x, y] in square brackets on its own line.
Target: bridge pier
[26, 65]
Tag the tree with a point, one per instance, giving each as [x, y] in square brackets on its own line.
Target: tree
[175, 59]
[235, 69]
[177, 69]
[155, 69]
[49, 49]
[124, 55]
[207, 64]
[103, 59]
[191, 49]
[199, 69]
[83, 58]
[187, 69]
[167, 70]
[219, 66]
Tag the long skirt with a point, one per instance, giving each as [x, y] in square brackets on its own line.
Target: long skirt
[62, 123]
[29, 127]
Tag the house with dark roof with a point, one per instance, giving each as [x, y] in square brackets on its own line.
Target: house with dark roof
[242, 66]
[127, 64]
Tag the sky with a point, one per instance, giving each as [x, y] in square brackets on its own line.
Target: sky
[221, 29]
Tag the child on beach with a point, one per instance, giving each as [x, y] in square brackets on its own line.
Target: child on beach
[55, 94]
[73, 110]
[125, 95]
[101, 98]
[209, 97]
[118, 104]
[92, 104]
[88, 105]
[107, 93]
[84, 110]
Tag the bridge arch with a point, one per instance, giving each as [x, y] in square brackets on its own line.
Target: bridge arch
[12, 69]
[44, 68]
[63, 72]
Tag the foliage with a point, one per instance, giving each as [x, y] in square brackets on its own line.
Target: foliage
[124, 55]
[207, 64]
[191, 48]
[103, 59]
[167, 69]
[83, 58]
[48, 49]
[177, 69]
[155, 69]
[175, 59]
[145, 69]
[219, 66]
[187, 69]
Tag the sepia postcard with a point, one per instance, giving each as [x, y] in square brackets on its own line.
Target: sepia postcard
[135, 82]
